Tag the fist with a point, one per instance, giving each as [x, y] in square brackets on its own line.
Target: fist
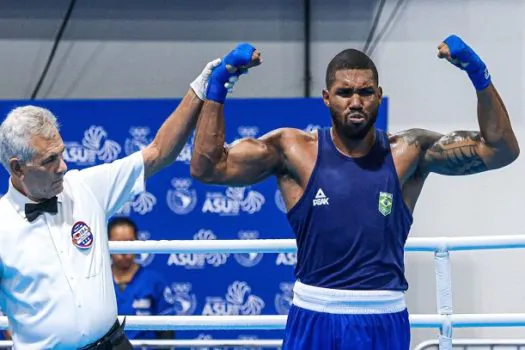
[235, 63]
[243, 57]
[238, 61]
[457, 52]
[444, 51]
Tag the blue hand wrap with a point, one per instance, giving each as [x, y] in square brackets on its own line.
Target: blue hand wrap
[466, 59]
[240, 56]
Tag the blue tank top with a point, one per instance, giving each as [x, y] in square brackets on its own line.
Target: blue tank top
[351, 223]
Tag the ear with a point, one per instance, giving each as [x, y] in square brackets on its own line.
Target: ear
[16, 167]
[326, 98]
[380, 89]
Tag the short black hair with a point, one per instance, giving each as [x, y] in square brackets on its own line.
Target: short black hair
[349, 59]
[122, 221]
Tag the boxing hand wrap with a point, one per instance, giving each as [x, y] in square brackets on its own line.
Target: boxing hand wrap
[238, 58]
[463, 57]
[200, 84]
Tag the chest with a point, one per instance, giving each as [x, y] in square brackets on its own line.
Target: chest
[346, 189]
[301, 159]
[71, 244]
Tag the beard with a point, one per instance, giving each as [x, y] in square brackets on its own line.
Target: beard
[353, 131]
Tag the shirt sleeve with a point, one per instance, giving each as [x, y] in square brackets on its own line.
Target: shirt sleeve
[115, 183]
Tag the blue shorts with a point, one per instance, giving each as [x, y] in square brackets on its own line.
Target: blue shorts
[307, 329]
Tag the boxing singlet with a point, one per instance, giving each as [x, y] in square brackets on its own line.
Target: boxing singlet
[351, 223]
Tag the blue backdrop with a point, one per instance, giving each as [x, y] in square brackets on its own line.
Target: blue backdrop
[178, 207]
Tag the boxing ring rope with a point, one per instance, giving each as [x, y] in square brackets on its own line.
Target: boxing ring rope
[199, 343]
[416, 244]
[445, 320]
[274, 343]
[277, 322]
[466, 344]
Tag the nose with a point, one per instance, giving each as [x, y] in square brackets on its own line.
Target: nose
[118, 257]
[356, 102]
[62, 168]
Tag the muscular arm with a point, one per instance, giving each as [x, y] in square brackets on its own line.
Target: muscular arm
[245, 162]
[469, 152]
[172, 135]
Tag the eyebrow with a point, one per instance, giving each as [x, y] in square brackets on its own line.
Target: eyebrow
[347, 88]
[54, 154]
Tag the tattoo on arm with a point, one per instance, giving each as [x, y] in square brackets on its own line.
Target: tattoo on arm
[457, 153]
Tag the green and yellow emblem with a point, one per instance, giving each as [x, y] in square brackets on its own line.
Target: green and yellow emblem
[385, 203]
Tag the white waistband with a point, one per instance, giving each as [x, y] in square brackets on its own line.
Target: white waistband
[337, 301]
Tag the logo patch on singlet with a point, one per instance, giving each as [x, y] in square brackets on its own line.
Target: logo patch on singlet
[320, 198]
[385, 203]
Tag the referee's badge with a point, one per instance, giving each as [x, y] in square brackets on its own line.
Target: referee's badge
[81, 235]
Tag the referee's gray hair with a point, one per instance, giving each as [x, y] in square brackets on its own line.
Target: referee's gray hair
[17, 130]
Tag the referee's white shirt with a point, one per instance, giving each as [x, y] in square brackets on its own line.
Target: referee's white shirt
[56, 295]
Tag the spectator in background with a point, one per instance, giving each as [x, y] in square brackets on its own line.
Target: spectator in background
[139, 289]
[4, 335]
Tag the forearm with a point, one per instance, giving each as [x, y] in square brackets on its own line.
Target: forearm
[494, 121]
[208, 150]
[175, 131]
[210, 159]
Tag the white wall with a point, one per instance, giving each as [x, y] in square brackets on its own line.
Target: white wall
[155, 48]
[430, 93]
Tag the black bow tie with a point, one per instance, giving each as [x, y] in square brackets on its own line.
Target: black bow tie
[33, 210]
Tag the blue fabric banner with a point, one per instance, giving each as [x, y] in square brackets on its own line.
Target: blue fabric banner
[175, 206]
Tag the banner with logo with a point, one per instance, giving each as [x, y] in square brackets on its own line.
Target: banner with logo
[175, 206]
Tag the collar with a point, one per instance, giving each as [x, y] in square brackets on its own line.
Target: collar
[19, 201]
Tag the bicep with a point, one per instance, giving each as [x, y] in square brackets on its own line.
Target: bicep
[248, 161]
[458, 153]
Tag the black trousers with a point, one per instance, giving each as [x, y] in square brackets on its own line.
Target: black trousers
[114, 339]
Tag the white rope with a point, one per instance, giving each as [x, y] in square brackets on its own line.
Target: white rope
[163, 323]
[473, 343]
[275, 343]
[416, 244]
[205, 246]
[278, 322]
[205, 343]
[192, 343]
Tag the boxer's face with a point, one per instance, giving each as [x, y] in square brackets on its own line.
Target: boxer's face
[43, 176]
[122, 233]
[353, 101]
